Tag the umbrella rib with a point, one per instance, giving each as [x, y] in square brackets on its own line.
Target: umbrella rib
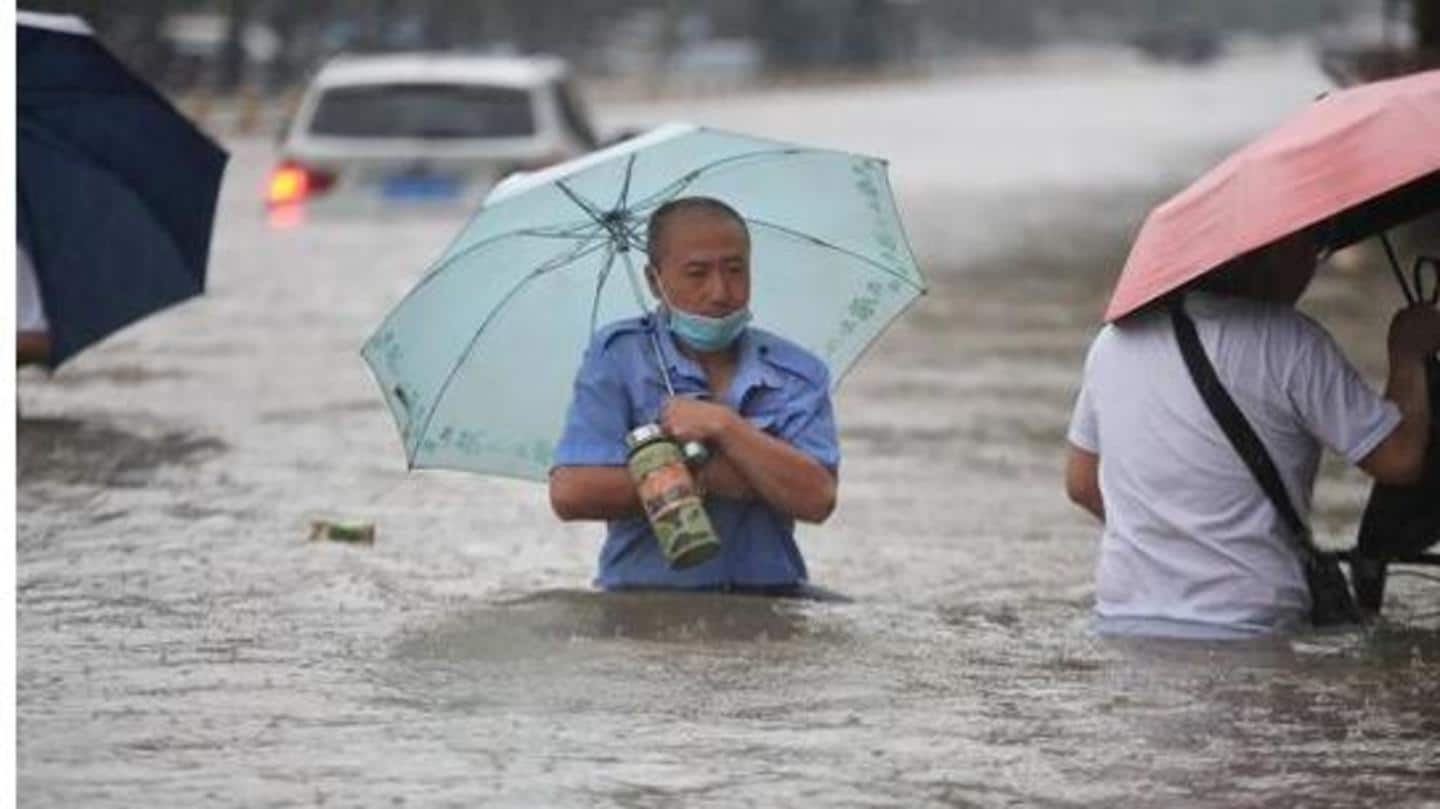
[658, 355]
[634, 283]
[483, 243]
[584, 204]
[480, 211]
[554, 263]
[564, 232]
[600, 283]
[633, 240]
[625, 189]
[1395, 267]
[837, 248]
[673, 190]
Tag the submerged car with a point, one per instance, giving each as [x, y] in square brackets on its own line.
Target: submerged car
[408, 130]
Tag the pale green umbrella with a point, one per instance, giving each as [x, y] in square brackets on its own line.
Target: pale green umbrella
[478, 360]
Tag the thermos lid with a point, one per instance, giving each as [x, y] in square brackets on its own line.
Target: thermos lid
[642, 435]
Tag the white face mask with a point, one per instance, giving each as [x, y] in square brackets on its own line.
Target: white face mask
[701, 332]
[709, 333]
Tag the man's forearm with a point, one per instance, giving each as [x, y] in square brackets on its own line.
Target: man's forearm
[1082, 481]
[1406, 387]
[786, 478]
[1414, 337]
[593, 493]
[719, 477]
[31, 347]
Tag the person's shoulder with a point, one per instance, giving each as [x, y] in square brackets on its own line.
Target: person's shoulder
[1288, 338]
[1237, 307]
[1264, 319]
[616, 346]
[617, 334]
[1288, 323]
[1109, 344]
[1111, 332]
[1132, 328]
[790, 357]
[1307, 325]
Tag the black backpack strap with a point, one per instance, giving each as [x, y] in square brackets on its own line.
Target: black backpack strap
[1242, 436]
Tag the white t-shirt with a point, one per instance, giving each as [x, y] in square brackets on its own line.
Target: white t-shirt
[29, 313]
[1192, 546]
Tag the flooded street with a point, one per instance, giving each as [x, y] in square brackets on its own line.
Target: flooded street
[180, 643]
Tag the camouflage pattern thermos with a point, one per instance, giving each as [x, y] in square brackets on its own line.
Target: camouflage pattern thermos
[670, 497]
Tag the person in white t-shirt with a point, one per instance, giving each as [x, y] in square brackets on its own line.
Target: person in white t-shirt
[32, 330]
[1191, 546]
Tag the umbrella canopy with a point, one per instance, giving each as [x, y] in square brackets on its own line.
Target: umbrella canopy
[477, 361]
[116, 191]
[1349, 165]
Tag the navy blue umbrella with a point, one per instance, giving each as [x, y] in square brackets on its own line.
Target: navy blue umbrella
[116, 190]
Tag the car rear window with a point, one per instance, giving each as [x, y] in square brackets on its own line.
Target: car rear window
[424, 111]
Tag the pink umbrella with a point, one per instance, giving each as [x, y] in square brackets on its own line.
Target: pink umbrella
[1352, 163]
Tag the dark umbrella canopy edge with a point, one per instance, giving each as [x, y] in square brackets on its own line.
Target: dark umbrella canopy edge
[116, 190]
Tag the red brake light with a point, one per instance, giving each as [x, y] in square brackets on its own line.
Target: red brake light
[292, 182]
[287, 184]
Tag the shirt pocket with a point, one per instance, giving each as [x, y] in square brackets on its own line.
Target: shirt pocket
[767, 409]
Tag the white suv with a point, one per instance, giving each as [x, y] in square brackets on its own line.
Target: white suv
[376, 132]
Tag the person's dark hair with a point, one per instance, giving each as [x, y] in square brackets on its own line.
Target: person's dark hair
[1249, 274]
[662, 216]
[1234, 277]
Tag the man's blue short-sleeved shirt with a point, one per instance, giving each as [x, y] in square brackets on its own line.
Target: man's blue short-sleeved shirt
[778, 386]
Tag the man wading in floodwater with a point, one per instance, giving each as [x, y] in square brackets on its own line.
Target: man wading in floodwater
[760, 403]
[1192, 546]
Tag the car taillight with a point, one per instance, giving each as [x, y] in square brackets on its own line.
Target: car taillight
[292, 182]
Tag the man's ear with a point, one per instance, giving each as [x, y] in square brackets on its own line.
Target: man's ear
[652, 277]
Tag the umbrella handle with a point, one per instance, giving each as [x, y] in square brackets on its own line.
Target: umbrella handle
[1395, 268]
[660, 358]
[1417, 276]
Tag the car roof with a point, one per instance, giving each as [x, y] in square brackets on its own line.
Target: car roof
[400, 68]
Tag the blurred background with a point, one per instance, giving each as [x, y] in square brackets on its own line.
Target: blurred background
[209, 49]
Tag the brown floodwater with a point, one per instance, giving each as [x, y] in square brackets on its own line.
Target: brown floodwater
[181, 643]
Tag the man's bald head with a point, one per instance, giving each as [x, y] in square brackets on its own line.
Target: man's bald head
[667, 215]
